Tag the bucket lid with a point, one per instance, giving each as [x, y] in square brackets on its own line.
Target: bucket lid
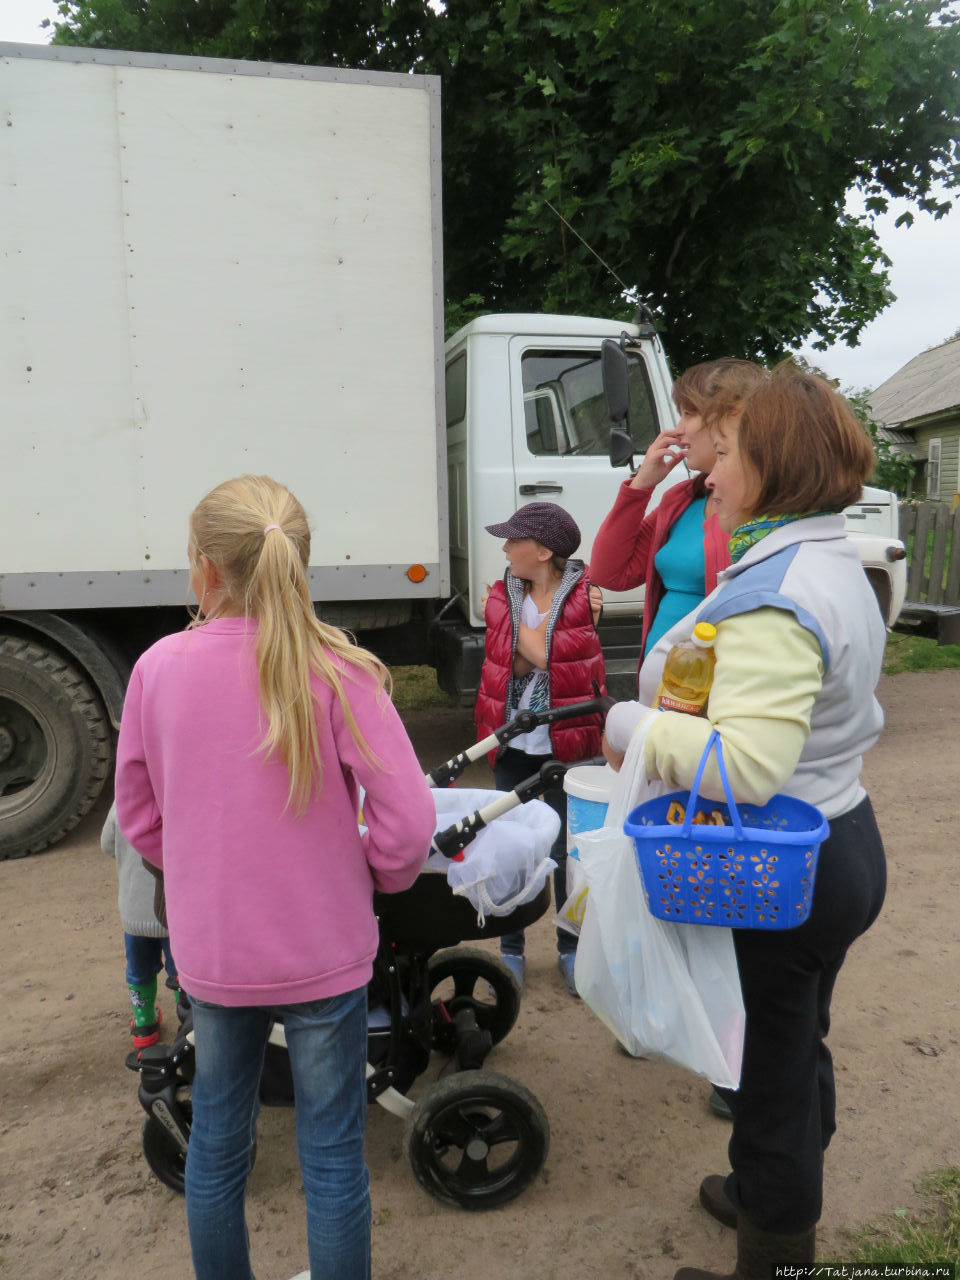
[590, 782]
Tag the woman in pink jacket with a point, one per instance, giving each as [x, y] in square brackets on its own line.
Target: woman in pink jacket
[678, 549]
[243, 747]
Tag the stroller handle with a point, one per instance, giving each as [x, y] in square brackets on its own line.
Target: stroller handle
[524, 722]
[454, 839]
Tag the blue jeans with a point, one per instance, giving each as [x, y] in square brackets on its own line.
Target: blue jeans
[146, 957]
[327, 1042]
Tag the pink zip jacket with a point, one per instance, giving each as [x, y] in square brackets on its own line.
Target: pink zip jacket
[266, 907]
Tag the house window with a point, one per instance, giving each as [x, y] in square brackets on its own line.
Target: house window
[933, 468]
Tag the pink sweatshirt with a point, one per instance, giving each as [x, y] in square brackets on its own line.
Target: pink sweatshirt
[264, 907]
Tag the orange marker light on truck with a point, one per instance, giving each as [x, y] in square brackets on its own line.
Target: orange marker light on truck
[416, 573]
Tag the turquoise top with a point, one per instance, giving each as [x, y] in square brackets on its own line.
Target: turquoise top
[680, 564]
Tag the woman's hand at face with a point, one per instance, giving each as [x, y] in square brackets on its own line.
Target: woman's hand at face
[659, 460]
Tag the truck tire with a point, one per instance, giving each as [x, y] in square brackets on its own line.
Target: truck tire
[55, 747]
[366, 615]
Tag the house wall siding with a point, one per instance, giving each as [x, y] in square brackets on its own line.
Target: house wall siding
[948, 433]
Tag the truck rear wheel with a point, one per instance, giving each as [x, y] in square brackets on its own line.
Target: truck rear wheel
[55, 747]
[366, 615]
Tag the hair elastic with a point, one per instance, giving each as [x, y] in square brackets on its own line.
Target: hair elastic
[271, 526]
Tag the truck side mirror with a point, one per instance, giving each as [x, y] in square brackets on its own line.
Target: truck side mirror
[622, 448]
[616, 388]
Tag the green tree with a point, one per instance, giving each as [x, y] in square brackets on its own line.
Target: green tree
[892, 470]
[704, 151]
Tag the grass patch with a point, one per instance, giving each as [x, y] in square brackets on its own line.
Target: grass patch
[416, 689]
[929, 1238]
[917, 653]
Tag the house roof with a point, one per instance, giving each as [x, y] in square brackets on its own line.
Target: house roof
[926, 385]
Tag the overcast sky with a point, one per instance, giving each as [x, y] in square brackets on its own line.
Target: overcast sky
[925, 273]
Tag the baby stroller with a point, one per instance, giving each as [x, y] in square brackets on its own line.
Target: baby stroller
[476, 1138]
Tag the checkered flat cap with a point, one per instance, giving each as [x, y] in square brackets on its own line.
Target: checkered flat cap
[546, 523]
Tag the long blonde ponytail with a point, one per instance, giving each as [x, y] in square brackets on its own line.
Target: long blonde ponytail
[255, 533]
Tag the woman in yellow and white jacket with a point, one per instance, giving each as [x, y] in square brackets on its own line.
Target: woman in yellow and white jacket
[799, 649]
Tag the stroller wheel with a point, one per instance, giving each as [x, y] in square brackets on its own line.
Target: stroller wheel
[162, 1153]
[477, 1140]
[466, 977]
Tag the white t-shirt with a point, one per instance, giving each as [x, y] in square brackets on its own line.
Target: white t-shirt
[535, 693]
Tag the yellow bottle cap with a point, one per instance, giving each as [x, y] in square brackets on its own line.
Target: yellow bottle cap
[705, 633]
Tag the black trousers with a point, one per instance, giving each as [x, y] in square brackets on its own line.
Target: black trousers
[784, 1113]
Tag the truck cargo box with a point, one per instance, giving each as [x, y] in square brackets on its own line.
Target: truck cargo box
[212, 268]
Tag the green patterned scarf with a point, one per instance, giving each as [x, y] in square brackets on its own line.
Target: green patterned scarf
[748, 535]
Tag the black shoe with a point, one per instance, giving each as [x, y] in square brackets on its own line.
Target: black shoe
[760, 1254]
[719, 1106]
[714, 1200]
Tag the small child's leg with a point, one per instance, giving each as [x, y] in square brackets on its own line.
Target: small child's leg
[144, 959]
[145, 1024]
[169, 964]
[173, 982]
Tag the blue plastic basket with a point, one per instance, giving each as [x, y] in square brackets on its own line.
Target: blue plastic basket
[754, 872]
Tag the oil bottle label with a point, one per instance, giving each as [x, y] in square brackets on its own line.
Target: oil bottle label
[669, 703]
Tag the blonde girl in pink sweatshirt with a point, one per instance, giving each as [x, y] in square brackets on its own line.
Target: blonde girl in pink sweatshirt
[243, 746]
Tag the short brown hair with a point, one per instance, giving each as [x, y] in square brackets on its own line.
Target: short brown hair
[807, 449]
[716, 388]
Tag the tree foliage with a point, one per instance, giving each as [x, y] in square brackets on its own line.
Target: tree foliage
[893, 469]
[703, 151]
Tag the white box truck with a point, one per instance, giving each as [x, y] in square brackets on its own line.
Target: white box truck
[212, 267]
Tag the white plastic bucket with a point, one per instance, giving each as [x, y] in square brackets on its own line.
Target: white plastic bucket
[588, 788]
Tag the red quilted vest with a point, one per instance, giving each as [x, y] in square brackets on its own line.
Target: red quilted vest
[574, 664]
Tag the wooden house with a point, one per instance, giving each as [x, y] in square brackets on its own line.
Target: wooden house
[918, 413]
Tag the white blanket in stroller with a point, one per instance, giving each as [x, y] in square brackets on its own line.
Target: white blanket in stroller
[506, 863]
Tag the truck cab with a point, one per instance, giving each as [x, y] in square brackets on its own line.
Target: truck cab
[527, 421]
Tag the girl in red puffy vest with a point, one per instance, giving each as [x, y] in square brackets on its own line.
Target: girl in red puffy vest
[541, 650]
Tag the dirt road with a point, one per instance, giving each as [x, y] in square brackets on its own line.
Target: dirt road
[630, 1140]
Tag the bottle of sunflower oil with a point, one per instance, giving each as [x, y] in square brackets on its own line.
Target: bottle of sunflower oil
[688, 673]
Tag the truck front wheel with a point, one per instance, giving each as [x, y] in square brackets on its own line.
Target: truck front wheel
[55, 747]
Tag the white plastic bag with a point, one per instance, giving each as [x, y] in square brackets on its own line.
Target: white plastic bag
[506, 864]
[570, 916]
[665, 990]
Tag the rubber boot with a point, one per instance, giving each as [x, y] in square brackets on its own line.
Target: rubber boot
[145, 1023]
[714, 1199]
[517, 964]
[758, 1252]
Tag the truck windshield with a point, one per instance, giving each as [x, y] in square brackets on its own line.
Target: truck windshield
[564, 405]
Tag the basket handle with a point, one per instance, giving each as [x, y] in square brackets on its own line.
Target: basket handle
[712, 743]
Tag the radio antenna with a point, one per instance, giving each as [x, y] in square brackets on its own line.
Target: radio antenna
[630, 293]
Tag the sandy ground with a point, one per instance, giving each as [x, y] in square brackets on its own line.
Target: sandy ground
[629, 1139]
